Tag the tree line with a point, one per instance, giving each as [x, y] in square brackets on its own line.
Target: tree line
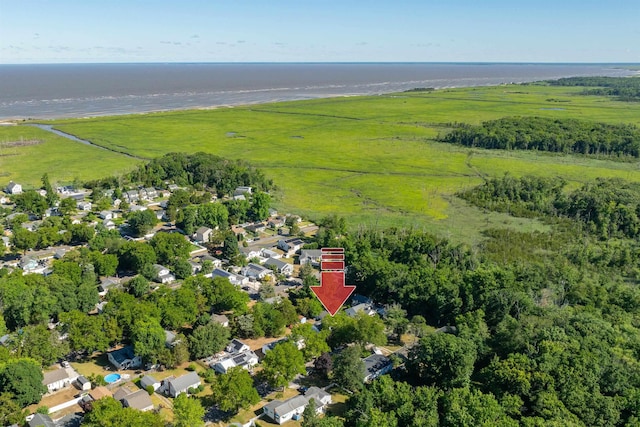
[623, 88]
[553, 135]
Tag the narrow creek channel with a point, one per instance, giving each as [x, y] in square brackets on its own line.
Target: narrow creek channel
[50, 128]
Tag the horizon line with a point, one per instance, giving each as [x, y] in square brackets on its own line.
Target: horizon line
[319, 63]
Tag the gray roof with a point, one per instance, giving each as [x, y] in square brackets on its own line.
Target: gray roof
[375, 363]
[41, 420]
[125, 353]
[276, 263]
[82, 380]
[220, 318]
[148, 380]
[121, 393]
[138, 400]
[316, 394]
[55, 376]
[289, 405]
[185, 381]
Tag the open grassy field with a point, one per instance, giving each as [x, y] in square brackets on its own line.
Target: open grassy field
[371, 159]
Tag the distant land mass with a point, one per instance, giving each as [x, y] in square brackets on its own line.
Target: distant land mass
[49, 91]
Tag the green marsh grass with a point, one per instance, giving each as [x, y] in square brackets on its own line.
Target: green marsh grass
[373, 159]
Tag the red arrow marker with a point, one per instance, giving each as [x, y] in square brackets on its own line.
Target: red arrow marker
[332, 291]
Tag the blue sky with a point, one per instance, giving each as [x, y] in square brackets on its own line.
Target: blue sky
[49, 31]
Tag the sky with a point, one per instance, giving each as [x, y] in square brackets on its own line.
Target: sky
[69, 31]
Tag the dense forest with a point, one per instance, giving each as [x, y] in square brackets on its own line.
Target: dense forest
[624, 88]
[543, 327]
[198, 169]
[554, 135]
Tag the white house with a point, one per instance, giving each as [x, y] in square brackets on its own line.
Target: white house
[203, 234]
[84, 206]
[242, 190]
[163, 275]
[291, 246]
[14, 188]
[107, 215]
[235, 279]
[292, 408]
[220, 318]
[176, 386]
[124, 358]
[246, 359]
[255, 271]
[59, 379]
[311, 256]
[360, 308]
[280, 266]
[270, 253]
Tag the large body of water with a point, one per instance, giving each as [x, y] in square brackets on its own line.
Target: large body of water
[85, 90]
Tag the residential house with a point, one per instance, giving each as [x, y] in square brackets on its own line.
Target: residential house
[273, 212]
[176, 386]
[109, 224]
[250, 253]
[137, 208]
[203, 234]
[124, 358]
[255, 271]
[238, 231]
[54, 211]
[256, 227]
[41, 420]
[242, 190]
[270, 253]
[170, 339]
[292, 409]
[84, 206]
[246, 359]
[107, 283]
[215, 261]
[6, 241]
[220, 318]
[150, 193]
[131, 196]
[269, 346]
[291, 246]
[279, 266]
[360, 308]
[14, 188]
[139, 400]
[147, 381]
[235, 279]
[106, 215]
[276, 222]
[59, 379]
[310, 256]
[163, 275]
[376, 365]
[236, 346]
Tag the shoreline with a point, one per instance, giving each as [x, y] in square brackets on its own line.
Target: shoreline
[6, 121]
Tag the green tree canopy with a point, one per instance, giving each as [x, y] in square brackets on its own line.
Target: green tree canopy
[234, 390]
[282, 363]
[443, 360]
[188, 411]
[23, 379]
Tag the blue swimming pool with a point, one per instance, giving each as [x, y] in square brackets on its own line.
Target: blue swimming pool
[112, 378]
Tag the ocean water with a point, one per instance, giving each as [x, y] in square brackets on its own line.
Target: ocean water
[86, 90]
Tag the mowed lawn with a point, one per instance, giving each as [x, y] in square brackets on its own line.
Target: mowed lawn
[372, 159]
